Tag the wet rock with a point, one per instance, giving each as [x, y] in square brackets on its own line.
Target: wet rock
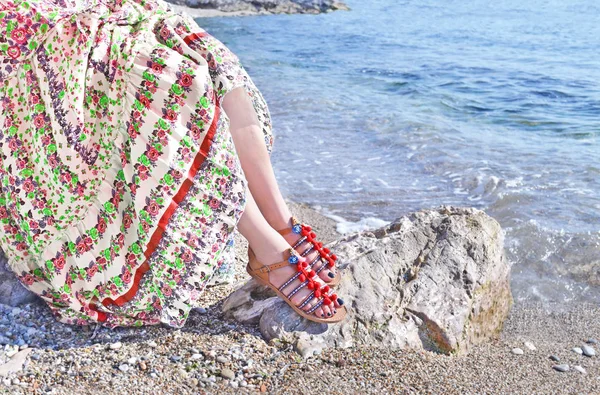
[435, 280]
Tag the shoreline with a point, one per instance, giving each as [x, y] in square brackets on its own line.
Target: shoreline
[258, 10]
[211, 354]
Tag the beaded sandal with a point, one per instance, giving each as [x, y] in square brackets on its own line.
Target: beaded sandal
[308, 236]
[323, 295]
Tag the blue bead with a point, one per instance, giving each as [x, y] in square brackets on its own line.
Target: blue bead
[293, 260]
[297, 229]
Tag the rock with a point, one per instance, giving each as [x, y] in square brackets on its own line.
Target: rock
[530, 346]
[115, 346]
[554, 358]
[580, 369]
[152, 344]
[132, 360]
[200, 310]
[591, 341]
[15, 364]
[577, 350]
[12, 292]
[195, 357]
[588, 351]
[517, 351]
[227, 374]
[124, 368]
[234, 384]
[435, 280]
[222, 359]
[175, 358]
[270, 6]
[561, 368]
[142, 365]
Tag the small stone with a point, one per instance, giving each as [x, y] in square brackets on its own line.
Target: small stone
[200, 310]
[243, 383]
[222, 359]
[591, 341]
[517, 351]
[193, 382]
[227, 374]
[530, 346]
[143, 365]
[577, 350]
[195, 357]
[115, 346]
[6, 382]
[12, 352]
[234, 384]
[132, 360]
[153, 375]
[561, 368]
[175, 358]
[263, 388]
[124, 368]
[588, 351]
[580, 369]
[554, 358]
[152, 344]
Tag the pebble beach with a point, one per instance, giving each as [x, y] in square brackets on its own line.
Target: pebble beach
[542, 349]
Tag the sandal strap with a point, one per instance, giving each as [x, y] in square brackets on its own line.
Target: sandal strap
[288, 230]
[298, 288]
[306, 300]
[269, 268]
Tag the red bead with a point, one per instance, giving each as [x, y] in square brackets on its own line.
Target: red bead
[317, 294]
[325, 289]
[313, 235]
[334, 257]
[310, 285]
[331, 263]
[305, 232]
[326, 301]
[333, 297]
[320, 244]
[308, 228]
[304, 265]
[311, 274]
[299, 267]
[302, 278]
[326, 250]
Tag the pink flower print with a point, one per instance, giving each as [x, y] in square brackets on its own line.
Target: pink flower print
[81, 247]
[157, 68]
[143, 172]
[28, 279]
[101, 225]
[59, 262]
[13, 144]
[153, 154]
[92, 270]
[186, 256]
[35, 99]
[186, 80]
[214, 203]
[171, 115]
[126, 277]
[167, 291]
[14, 52]
[153, 208]
[127, 221]
[39, 121]
[28, 186]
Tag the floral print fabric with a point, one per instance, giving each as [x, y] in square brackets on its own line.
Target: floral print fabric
[121, 187]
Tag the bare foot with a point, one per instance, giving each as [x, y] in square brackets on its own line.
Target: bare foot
[303, 293]
[309, 251]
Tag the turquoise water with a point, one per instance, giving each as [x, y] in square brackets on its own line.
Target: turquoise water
[401, 105]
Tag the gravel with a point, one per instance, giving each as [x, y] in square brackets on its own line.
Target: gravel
[220, 356]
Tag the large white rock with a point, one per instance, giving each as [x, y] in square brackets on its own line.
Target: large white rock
[434, 280]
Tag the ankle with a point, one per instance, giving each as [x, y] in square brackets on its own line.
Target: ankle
[270, 249]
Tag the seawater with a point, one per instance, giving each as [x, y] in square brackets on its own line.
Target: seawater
[397, 106]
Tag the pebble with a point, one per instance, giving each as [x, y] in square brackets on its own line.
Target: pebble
[592, 341]
[132, 360]
[588, 351]
[517, 351]
[561, 368]
[152, 344]
[554, 358]
[227, 374]
[530, 346]
[577, 350]
[243, 383]
[222, 359]
[116, 346]
[175, 358]
[200, 310]
[12, 352]
[6, 382]
[124, 367]
[580, 369]
[143, 365]
[234, 384]
[195, 357]
[153, 375]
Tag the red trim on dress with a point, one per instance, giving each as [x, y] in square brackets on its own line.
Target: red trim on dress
[164, 220]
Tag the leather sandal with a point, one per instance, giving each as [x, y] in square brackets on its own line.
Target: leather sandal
[309, 237]
[323, 295]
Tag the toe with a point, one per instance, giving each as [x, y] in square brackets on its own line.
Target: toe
[320, 313]
[328, 311]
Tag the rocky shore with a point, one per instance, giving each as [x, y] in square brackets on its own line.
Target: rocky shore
[211, 8]
[540, 349]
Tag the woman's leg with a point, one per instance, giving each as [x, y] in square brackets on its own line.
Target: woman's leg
[256, 163]
[268, 245]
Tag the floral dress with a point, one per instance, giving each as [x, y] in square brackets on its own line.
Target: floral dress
[120, 184]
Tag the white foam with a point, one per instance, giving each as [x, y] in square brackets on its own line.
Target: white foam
[369, 223]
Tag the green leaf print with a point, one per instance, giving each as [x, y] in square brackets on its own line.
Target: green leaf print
[50, 265]
[207, 210]
[178, 263]
[44, 28]
[147, 76]
[93, 233]
[72, 247]
[163, 124]
[144, 160]
[52, 148]
[135, 248]
[204, 102]
[12, 130]
[107, 254]
[109, 207]
[168, 179]
[177, 89]
[118, 282]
